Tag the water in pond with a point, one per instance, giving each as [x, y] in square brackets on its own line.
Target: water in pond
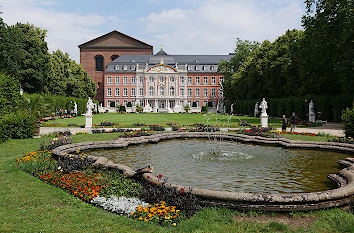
[234, 167]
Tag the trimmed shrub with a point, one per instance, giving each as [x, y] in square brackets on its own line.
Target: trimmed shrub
[17, 125]
[129, 104]
[348, 120]
[205, 108]
[122, 108]
[9, 93]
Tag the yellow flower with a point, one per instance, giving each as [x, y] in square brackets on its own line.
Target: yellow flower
[174, 224]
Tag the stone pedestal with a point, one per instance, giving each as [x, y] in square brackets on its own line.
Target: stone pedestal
[312, 118]
[264, 120]
[88, 123]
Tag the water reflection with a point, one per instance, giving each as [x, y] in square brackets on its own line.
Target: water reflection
[233, 166]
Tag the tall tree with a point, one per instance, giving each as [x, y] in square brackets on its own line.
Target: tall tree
[328, 46]
[243, 50]
[24, 55]
[67, 78]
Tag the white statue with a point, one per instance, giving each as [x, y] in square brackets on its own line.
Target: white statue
[75, 108]
[264, 116]
[256, 111]
[89, 107]
[264, 107]
[311, 108]
[232, 109]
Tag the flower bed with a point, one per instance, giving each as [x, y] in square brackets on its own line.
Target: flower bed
[295, 133]
[137, 133]
[159, 213]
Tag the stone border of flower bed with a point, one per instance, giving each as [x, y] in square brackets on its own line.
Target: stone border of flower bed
[341, 196]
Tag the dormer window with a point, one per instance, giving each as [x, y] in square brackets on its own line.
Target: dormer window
[125, 67]
[133, 67]
[116, 67]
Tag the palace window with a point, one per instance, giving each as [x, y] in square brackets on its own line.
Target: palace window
[116, 80]
[197, 80]
[151, 91]
[141, 91]
[213, 80]
[162, 90]
[213, 92]
[181, 91]
[151, 79]
[125, 91]
[125, 80]
[221, 80]
[125, 102]
[197, 92]
[117, 92]
[133, 79]
[133, 92]
[133, 103]
[214, 104]
[205, 81]
[109, 103]
[198, 103]
[189, 80]
[172, 91]
[117, 103]
[109, 80]
[162, 79]
[99, 62]
[141, 79]
[109, 91]
[181, 79]
[205, 103]
[141, 103]
[205, 92]
[172, 79]
[189, 93]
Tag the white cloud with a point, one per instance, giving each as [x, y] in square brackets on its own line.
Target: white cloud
[214, 26]
[65, 30]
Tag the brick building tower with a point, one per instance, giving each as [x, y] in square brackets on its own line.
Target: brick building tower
[97, 53]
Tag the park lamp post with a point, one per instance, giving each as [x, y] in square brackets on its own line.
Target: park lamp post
[21, 93]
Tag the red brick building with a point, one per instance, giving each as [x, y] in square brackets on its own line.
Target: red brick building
[126, 70]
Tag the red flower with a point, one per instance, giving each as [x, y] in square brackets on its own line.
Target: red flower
[181, 191]
[160, 176]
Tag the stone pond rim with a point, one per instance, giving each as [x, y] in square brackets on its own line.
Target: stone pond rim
[341, 196]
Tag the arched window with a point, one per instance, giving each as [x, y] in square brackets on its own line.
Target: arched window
[99, 62]
[113, 57]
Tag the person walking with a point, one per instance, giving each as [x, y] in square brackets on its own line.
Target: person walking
[293, 121]
[285, 123]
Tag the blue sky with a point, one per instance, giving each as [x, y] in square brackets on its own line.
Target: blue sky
[182, 27]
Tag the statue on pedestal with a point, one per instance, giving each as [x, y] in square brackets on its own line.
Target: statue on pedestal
[89, 107]
[256, 110]
[312, 115]
[264, 107]
[232, 109]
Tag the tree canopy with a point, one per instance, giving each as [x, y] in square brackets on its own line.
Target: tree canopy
[316, 61]
[24, 56]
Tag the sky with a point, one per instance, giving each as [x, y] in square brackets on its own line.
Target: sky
[180, 26]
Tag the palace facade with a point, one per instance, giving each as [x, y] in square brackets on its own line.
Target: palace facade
[127, 73]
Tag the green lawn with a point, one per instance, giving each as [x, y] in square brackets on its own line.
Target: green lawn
[162, 118]
[29, 205]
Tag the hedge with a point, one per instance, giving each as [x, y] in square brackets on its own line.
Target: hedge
[326, 107]
[43, 105]
[17, 125]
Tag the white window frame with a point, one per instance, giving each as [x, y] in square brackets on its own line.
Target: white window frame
[133, 92]
[205, 103]
[125, 80]
[197, 80]
[197, 92]
[198, 103]
[125, 103]
[151, 91]
[109, 91]
[109, 80]
[125, 91]
[116, 80]
[141, 79]
[141, 91]
[181, 91]
[205, 80]
[133, 79]
[213, 92]
[205, 92]
[161, 91]
[172, 91]
[117, 92]
[189, 92]
[189, 81]
[213, 80]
